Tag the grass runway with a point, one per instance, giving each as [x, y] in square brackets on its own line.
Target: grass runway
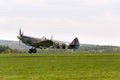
[60, 66]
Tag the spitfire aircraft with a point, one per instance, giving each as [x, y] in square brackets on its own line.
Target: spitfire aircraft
[44, 43]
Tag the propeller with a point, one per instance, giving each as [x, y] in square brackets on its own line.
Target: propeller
[20, 32]
[19, 43]
[20, 36]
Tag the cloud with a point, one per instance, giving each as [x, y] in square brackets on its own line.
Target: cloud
[90, 20]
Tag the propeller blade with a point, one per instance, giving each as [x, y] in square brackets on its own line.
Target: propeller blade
[20, 31]
[19, 43]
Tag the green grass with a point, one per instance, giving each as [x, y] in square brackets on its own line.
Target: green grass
[60, 66]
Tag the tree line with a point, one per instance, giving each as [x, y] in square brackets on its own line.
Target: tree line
[97, 48]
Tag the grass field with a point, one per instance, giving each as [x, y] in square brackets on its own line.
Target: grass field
[60, 66]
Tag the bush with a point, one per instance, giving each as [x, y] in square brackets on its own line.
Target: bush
[4, 49]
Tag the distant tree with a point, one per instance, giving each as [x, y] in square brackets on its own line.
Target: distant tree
[5, 49]
[8, 51]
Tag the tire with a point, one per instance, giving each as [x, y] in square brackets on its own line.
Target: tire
[34, 50]
[30, 51]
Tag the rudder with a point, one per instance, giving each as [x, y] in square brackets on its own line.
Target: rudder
[74, 44]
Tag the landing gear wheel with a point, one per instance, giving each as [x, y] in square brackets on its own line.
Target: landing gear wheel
[32, 50]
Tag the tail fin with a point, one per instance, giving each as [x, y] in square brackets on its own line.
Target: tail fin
[74, 44]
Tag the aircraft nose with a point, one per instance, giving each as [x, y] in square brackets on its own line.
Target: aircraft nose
[19, 37]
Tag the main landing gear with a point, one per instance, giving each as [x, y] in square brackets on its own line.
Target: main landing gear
[32, 50]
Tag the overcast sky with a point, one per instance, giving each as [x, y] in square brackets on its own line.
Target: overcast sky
[92, 21]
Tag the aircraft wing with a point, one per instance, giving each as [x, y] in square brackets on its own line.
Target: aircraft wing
[45, 43]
